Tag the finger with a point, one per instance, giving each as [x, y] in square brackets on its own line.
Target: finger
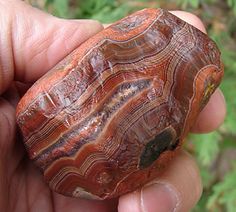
[212, 116]
[32, 41]
[11, 149]
[7, 128]
[190, 18]
[178, 189]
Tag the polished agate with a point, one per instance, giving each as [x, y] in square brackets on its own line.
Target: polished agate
[110, 116]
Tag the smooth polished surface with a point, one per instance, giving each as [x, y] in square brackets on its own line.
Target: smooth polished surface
[110, 116]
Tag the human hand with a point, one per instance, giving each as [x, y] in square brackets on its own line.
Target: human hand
[31, 43]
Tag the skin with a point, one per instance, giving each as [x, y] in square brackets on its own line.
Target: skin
[31, 42]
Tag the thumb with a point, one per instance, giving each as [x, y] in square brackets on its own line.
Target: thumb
[32, 41]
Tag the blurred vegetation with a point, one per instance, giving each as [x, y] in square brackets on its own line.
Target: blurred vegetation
[216, 151]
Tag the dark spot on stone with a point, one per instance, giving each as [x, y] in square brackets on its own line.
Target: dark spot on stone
[166, 140]
[174, 144]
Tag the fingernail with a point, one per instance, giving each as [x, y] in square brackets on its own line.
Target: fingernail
[159, 197]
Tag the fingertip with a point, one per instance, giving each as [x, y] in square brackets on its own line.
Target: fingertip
[153, 197]
[158, 197]
[130, 202]
[183, 176]
[190, 18]
[213, 114]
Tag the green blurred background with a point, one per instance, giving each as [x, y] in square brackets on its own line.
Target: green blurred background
[215, 152]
